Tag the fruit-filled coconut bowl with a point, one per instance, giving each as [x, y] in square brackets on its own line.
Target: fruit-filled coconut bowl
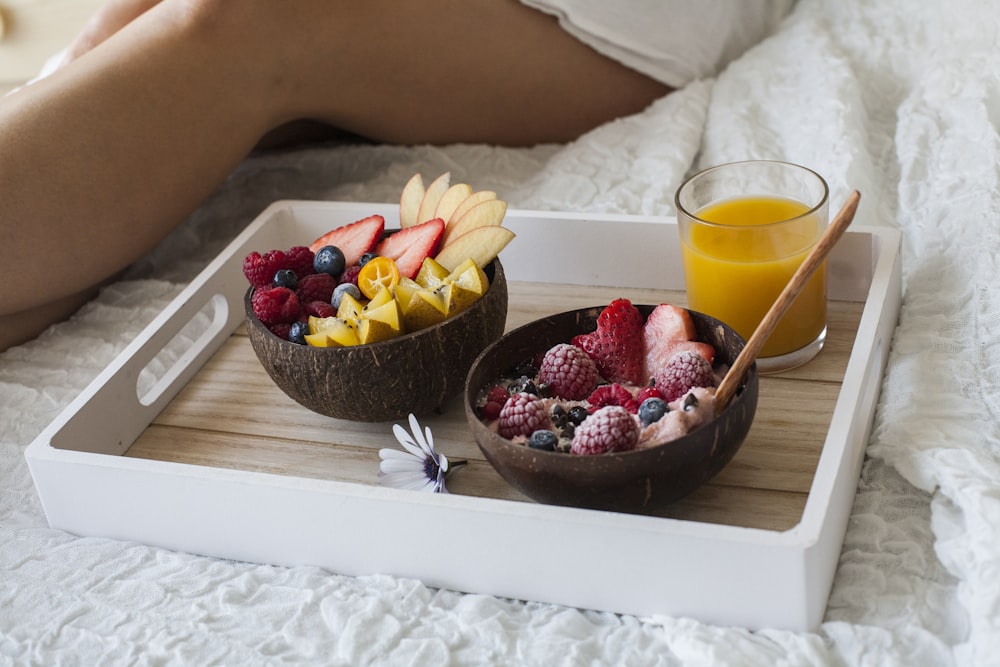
[611, 407]
[380, 381]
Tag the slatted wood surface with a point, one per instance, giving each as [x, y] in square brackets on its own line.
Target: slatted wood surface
[232, 416]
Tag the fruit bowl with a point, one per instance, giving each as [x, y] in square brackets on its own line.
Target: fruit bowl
[414, 373]
[639, 481]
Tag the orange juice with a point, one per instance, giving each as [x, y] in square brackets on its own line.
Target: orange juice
[736, 267]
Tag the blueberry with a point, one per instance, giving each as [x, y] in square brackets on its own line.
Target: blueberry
[569, 430]
[329, 259]
[543, 439]
[297, 334]
[367, 257]
[577, 414]
[558, 415]
[652, 410]
[286, 278]
[340, 290]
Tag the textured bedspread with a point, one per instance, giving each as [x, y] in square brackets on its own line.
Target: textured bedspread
[900, 100]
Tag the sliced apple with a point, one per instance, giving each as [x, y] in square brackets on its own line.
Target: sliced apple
[489, 213]
[481, 244]
[432, 196]
[470, 201]
[409, 201]
[450, 200]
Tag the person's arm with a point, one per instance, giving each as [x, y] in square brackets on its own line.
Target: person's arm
[101, 160]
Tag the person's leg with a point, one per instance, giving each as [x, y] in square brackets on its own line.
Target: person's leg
[101, 160]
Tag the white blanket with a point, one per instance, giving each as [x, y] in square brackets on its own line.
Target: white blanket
[900, 100]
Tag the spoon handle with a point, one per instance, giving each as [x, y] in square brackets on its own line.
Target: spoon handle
[734, 377]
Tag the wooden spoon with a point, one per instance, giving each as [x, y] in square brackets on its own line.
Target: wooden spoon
[734, 377]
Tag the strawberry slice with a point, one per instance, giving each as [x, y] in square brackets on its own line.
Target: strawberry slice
[409, 247]
[616, 345]
[354, 239]
[668, 330]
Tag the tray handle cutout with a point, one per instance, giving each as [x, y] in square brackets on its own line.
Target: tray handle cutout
[166, 368]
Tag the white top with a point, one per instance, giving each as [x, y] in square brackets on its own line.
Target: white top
[673, 41]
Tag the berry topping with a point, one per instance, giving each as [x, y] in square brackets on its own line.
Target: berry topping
[543, 439]
[668, 330]
[297, 332]
[577, 414]
[610, 429]
[353, 240]
[350, 275]
[275, 305]
[491, 410]
[684, 370]
[367, 257]
[498, 394]
[568, 372]
[409, 247]
[523, 414]
[261, 269]
[340, 290]
[330, 260]
[652, 410]
[319, 309]
[612, 394]
[285, 278]
[616, 345]
[281, 330]
[317, 287]
[300, 260]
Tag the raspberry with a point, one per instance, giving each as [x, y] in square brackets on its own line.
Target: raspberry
[281, 330]
[275, 305]
[316, 287]
[300, 260]
[350, 275]
[612, 394]
[319, 309]
[491, 410]
[498, 394]
[522, 414]
[610, 429]
[260, 269]
[684, 370]
[568, 371]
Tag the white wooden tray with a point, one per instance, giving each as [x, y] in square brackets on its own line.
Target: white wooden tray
[717, 557]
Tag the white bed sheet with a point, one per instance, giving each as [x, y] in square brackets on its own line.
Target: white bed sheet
[900, 100]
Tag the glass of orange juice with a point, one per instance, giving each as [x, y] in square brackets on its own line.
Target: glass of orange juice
[745, 228]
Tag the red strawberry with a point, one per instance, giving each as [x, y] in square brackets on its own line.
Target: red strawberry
[616, 345]
[610, 429]
[409, 247]
[354, 239]
[668, 330]
[568, 371]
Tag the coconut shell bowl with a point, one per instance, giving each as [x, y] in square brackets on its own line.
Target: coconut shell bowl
[414, 373]
[642, 481]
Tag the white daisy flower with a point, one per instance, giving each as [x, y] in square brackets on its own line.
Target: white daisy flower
[419, 467]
